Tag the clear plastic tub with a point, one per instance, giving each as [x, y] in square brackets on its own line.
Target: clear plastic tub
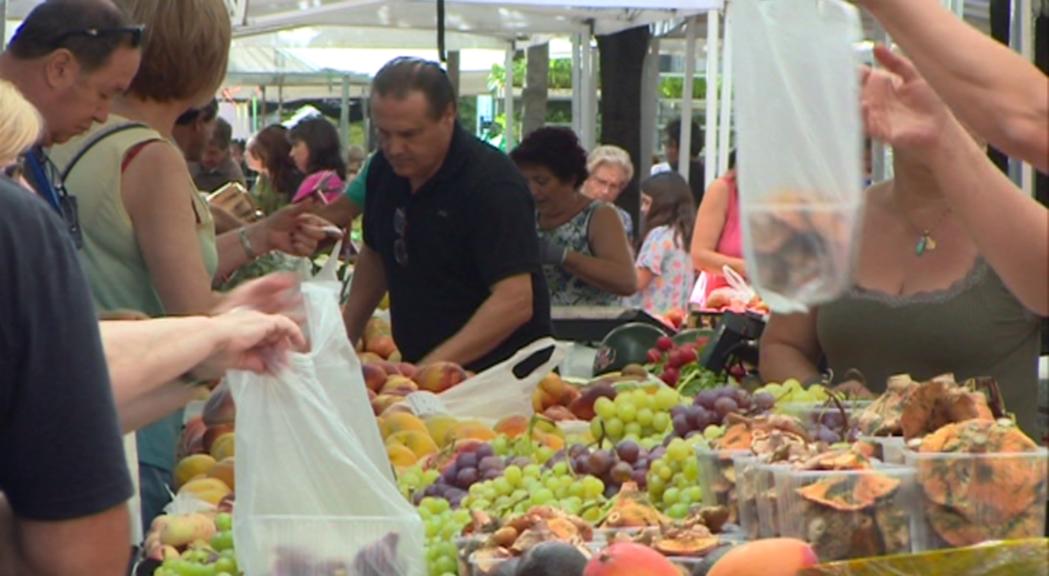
[717, 478]
[465, 546]
[768, 508]
[485, 566]
[967, 499]
[888, 449]
[319, 546]
[746, 467]
[848, 514]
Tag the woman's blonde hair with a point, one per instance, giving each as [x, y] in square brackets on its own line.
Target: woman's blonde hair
[185, 49]
[613, 155]
[20, 123]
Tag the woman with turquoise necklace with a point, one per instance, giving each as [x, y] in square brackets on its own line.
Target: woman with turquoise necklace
[952, 269]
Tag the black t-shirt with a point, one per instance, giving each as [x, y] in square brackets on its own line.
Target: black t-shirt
[61, 455]
[470, 226]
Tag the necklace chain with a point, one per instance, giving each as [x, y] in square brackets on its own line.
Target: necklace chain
[925, 242]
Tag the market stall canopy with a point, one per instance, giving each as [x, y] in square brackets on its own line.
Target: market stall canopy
[267, 65]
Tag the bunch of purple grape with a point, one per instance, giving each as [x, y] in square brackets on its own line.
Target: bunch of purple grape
[831, 426]
[467, 469]
[627, 462]
[711, 406]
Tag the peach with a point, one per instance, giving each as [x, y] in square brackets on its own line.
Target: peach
[219, 409]
[512, 426]
[370, 358]
[395, 356]
[213, 433]
[224, 470]
[439, 376]
[629, 559]
[771, 557]
[383, 345]
[374, 376]
[383, 402]
[401, 422]
[224, 446]
[398, 386]
[192, 440]
[211, 490]
[191, 466]
[407, 369]
[419, 443]
[583, 407]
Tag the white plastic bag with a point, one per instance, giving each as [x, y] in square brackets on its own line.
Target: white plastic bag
[497, 392]
[314, 487]
[800, 146]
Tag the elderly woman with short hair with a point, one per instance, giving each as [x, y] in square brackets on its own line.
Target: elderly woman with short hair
[610, 170]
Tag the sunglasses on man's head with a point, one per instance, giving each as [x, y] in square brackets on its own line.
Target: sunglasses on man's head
[133, 33]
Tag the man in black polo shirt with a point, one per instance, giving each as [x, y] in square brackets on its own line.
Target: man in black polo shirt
[449, 230]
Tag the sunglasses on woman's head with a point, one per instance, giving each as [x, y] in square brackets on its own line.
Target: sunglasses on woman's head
[134, 34]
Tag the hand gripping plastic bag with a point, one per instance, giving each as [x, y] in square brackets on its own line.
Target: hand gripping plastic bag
[315, 493]
[800, 146]
[497, 392]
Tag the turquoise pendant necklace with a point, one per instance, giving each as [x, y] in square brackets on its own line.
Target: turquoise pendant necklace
[926, 243]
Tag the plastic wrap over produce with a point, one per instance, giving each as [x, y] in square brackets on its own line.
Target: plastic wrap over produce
[800, 147]
[1010, 558]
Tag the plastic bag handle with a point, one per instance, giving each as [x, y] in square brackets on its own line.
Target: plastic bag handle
[329, 272]
[526, 352]
[737, 282]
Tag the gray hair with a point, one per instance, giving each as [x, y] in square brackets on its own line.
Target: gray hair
[613, 155]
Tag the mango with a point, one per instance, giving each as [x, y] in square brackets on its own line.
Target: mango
[224, 446]
[419, 443]
[400, 456]
[182, 530]
[190, 466]
[771, 557]
[210, 490]
[440, 428]
[439, 376]
[400, 422]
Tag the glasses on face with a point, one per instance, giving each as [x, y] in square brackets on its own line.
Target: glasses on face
[133, 33]
[400, 246]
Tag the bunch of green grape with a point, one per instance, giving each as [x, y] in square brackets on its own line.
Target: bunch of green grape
[521, 447]
[792, 392]
[414, 480]
[673, 478]
[519, 489]
[443, 525]
[635, 415]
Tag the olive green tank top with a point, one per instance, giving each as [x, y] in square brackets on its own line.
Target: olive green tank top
[974, 328]
[116, 269]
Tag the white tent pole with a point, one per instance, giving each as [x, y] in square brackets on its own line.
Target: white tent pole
[725, 122]
[508, 96]
[344, 112]
[591, 93]
[684, 157]
[3, 23]
[1021, 30]
[649, 108]
[577, 88]
[589, 89]
[713, 34]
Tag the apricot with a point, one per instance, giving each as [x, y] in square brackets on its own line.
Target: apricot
[400, 455]
[439, 376]
[512, 426]
[370, 358]
[224, 470]
[384, 402]
[383, 345]
[629, 559]
[191, 466]
[771, 557]
[398, 386]
[224, 446]
[418, 442]
[210, 490]
[400, 422]
[213, 433]
[374, 376]
[407, 369]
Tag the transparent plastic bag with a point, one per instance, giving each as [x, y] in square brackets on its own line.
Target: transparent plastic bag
[800, 144]
[315, 492]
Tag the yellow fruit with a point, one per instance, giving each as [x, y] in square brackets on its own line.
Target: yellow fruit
[419, 443]
[192, 466]
[224, 470]
[472, 430]
[400, 422]
[211, 490]
[440, 428]
[400, 456]
[223, 447]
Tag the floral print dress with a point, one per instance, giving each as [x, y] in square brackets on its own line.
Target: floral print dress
[672, 275]
[566, 289]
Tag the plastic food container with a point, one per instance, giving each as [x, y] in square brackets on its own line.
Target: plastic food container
[605, 536]
[768, 508]
[320, 545]
[465, 546]
[717, 478]
[888, 449]
[484, 566]
[967, 498]
[848, 514]
[746, 468]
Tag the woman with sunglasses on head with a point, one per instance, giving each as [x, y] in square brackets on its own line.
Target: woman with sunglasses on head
[316, 152]
[149, 240]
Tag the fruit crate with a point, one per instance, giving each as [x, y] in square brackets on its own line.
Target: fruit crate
[848, 514]
[717, 478]
[966, 498]
[282, 545]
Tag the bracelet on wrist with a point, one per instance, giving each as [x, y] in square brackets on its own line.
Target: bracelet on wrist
[245, 243]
